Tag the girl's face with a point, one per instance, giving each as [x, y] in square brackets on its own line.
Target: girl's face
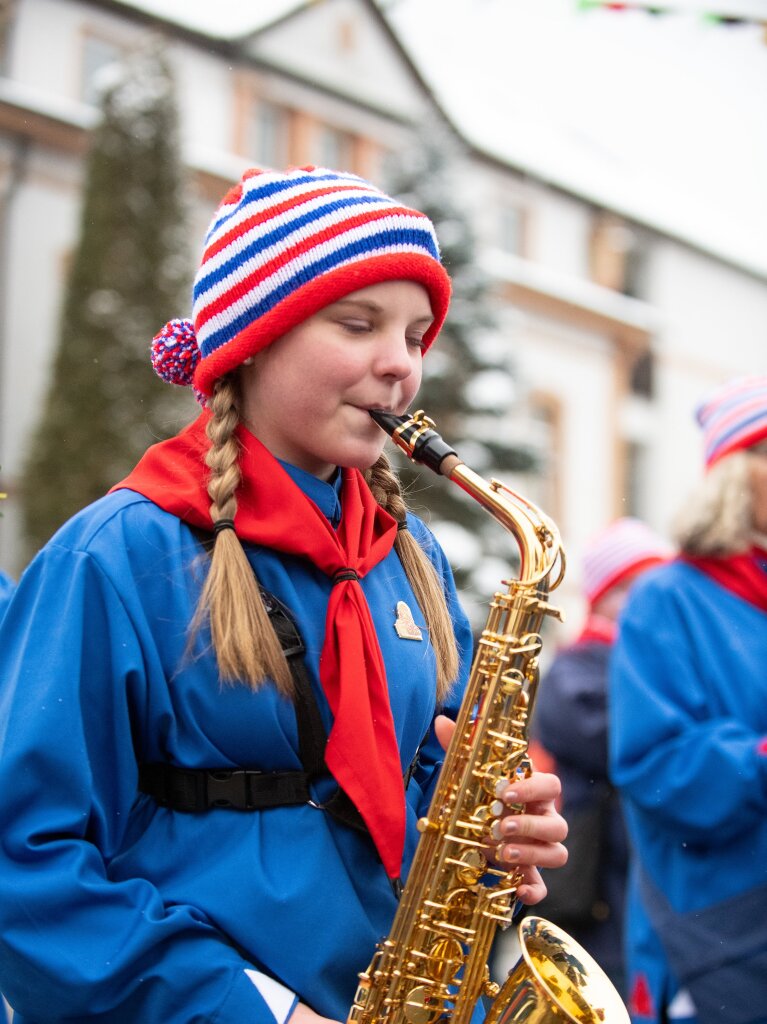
[306, 396]
[758, 475]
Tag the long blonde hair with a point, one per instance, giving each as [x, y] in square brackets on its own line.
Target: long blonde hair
[245, 643]
[717, 519]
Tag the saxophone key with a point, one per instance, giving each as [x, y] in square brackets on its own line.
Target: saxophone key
[427, 825]
[446, 957]
[422, 1008]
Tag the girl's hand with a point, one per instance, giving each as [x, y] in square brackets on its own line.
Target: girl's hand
[528, 838]
[303, 1015]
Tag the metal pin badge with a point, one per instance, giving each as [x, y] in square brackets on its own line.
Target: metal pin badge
[405, 623]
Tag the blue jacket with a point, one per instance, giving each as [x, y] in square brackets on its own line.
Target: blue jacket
[688, 721]
[7, 587]
[115, 909]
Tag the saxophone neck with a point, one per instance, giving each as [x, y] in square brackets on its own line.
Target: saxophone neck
[537, 537]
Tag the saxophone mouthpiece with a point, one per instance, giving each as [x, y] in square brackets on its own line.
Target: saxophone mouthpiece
[414, 433]
[387, 421]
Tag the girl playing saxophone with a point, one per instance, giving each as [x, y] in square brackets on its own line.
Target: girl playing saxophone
[227, 684]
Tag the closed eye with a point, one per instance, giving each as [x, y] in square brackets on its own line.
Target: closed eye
[416, 341]
[356, 326]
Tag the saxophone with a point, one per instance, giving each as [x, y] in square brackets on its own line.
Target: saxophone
[433, 966]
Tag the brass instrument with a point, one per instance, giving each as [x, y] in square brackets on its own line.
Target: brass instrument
[433, 966]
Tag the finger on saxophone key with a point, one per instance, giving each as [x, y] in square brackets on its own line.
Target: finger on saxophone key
[540, 786]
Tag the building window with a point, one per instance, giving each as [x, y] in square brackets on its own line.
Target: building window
[642, 376]
[98, 54]
[334, 148]
[511, 230]
[537, 424]
[636, 480]
[346, 35]
[271, 134]
[635, 268]
[618, 256]
[8, 14]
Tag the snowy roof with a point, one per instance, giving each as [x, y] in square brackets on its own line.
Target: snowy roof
[657, 116]
[225, 19]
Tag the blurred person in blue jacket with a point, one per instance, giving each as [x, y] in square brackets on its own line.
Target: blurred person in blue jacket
[688, 737]
[586, 897]
[210, 791]
[7, 587]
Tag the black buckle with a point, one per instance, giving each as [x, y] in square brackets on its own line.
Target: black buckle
[227, 789]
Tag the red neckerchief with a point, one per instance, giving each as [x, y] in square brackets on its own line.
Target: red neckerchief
[362, 751]
[597, 629]
[744, 575]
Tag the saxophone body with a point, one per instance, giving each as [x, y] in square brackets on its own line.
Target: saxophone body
[433, 965]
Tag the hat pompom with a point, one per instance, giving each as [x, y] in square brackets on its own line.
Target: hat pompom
[175, 354]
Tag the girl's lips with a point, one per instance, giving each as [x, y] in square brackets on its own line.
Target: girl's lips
[375, 408]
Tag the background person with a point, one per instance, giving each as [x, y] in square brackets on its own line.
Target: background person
[586, 897]
[140, 656]
[688, 735]
[7, 587]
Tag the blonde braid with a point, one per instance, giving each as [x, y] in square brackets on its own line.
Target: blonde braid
[421, 574]
[245, 643]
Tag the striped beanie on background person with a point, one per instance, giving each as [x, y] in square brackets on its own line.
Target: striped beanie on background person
[626, 547]
[281, 246]
[733, 417]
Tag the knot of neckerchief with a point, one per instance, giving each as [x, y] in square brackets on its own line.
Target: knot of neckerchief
[272, 511]
[344, 574]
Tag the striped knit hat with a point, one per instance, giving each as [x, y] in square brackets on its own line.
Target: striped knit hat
[625, 548]
[734, 417]
[282, 245]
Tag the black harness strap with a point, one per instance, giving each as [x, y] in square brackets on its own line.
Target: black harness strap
[199, 789]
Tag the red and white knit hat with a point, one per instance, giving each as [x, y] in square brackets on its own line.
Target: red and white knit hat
[628, 546]
[283, 245]
[734, 417]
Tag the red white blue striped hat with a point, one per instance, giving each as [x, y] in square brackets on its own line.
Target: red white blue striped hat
[627, 547]
[282, 245]
[734, 417]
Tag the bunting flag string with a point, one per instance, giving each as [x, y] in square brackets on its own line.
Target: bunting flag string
[711, 17]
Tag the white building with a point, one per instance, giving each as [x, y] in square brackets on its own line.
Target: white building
[620, 313]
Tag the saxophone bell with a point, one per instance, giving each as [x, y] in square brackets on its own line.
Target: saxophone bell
[554, 980]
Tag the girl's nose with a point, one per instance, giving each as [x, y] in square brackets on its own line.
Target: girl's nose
[395, 356]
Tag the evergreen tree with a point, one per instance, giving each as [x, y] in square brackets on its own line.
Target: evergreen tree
[129, 275]
[468, 386]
